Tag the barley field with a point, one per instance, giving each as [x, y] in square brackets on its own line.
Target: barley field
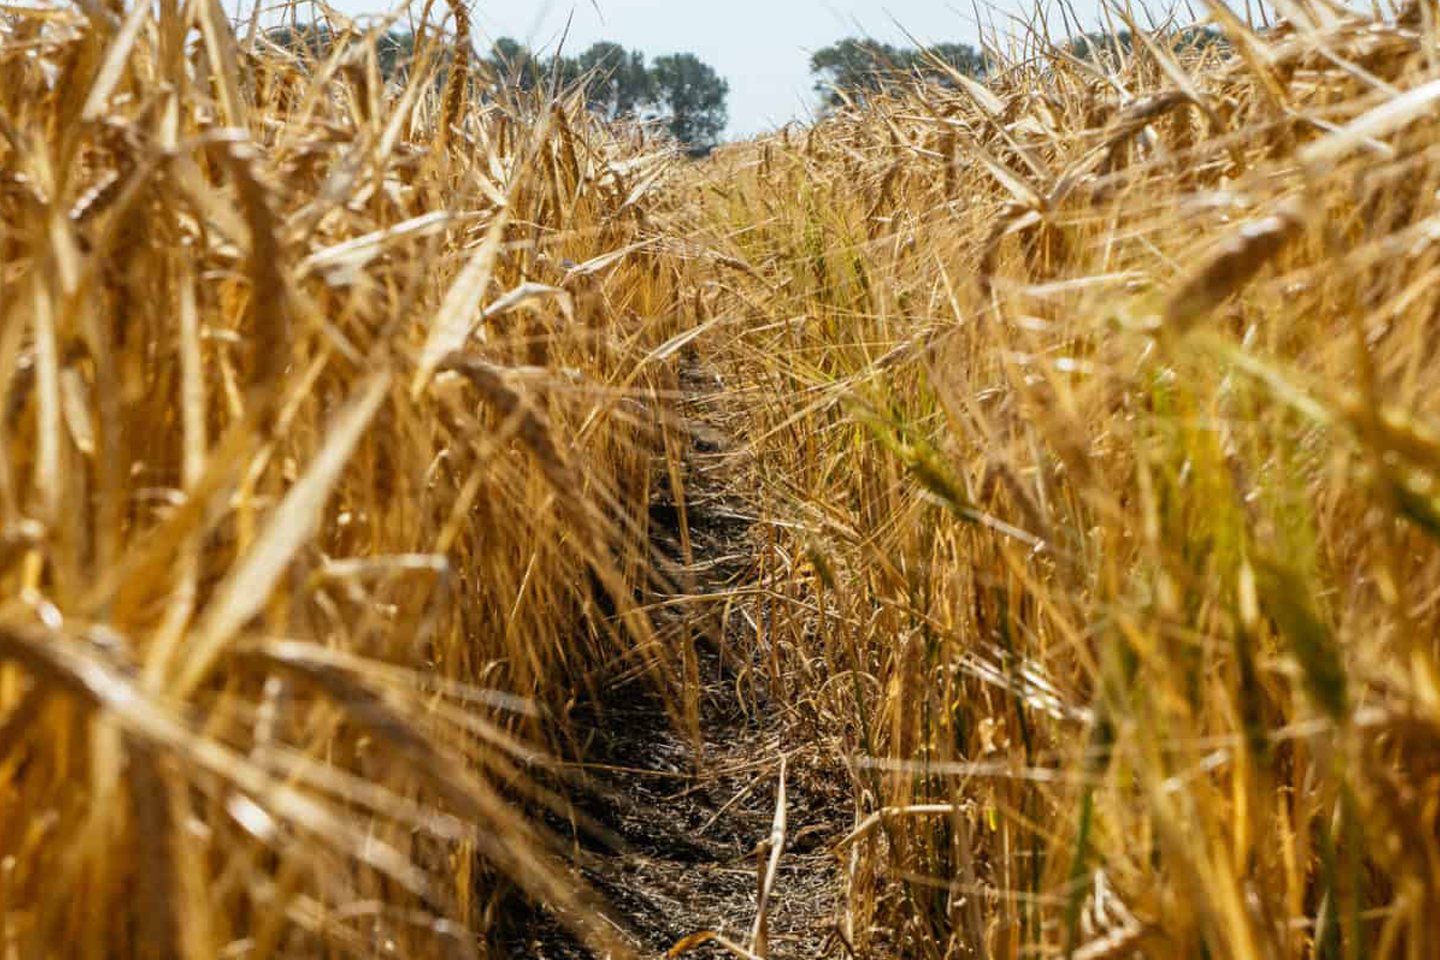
[1004, 513]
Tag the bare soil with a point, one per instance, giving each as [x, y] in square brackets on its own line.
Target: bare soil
[687, 822]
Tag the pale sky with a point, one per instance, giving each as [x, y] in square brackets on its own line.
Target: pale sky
[762, 47]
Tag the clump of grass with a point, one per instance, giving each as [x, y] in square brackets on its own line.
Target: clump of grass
[322, 488]
[1102, 399]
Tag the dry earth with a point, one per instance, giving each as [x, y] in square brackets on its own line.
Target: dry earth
[688, 826]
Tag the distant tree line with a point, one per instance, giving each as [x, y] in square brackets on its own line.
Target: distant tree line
[856, 68]
[680, 91]
[1092, 46]
[394, 50]
[687, 96]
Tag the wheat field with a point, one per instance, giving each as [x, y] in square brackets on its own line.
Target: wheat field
[1088, 416]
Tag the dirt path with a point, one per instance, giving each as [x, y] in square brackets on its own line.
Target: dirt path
[689, 826]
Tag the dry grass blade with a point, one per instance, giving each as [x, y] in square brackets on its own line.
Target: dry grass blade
[990, 103]
[312, 656]
[457, 88]
[1022, 193]
[868, 825]
[528, 293]
[348, 256]
[220, 44]
[502, 834]
[772, 849]
[489, 381]
[268, 293]
[246, 591]
[70, 666]
[1238, 259]
[1381, 121]
[600, 263]
[49, 413]
[112, 68]
[710, 936]
[459, 314]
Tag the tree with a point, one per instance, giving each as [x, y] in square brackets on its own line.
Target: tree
[393, 50]
[616, 82]
[309, 41]
[960, 57]
[683, 91]
[855, 67]
[691, 96]
[1196, 39]
[1094, 46]
[858, 68]
[514, 65]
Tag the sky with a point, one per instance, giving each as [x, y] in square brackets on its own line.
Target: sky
[761, 47]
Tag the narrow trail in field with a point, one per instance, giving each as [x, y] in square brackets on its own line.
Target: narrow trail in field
[689, 826]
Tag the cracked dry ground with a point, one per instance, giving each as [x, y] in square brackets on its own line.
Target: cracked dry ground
[688, 826]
